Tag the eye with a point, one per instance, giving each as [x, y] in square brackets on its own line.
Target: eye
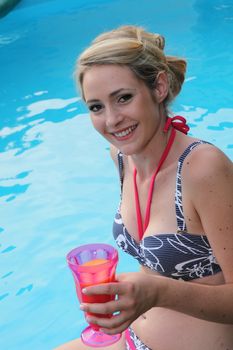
[95, 108]
[125, 98]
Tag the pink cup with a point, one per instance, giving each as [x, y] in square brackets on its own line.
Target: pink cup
[94, 264]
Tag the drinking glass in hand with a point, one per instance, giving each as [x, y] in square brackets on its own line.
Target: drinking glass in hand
[94, 264]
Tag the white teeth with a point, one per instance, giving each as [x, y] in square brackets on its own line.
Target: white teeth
[125, 132]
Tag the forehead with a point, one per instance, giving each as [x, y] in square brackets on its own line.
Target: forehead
[108, 78]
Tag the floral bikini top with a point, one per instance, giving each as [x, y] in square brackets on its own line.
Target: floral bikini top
[180, 255]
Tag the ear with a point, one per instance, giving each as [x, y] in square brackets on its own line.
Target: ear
[161, 87]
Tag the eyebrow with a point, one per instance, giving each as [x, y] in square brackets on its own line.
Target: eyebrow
[112, 94]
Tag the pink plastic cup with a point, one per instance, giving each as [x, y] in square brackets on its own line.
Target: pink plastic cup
[94, 264]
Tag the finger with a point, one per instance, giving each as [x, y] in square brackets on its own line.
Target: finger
[102, 308]
[105, 288]
[113, 323]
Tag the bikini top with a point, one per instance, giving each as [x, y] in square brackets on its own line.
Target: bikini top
[180, 255]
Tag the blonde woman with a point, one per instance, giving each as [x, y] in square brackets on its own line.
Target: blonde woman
[176, 209]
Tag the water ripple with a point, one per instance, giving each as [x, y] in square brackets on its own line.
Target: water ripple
[42, 106]
[8, 249]
[7, 274]
[24, 289]
[13, 190]
[221, 126]
[3, 296]
[214, 127]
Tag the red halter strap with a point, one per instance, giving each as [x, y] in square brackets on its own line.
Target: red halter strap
[179, 125]
[178, 122]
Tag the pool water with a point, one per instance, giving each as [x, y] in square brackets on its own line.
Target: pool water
[58, 187]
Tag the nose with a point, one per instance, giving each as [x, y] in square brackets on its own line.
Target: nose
[113, 117]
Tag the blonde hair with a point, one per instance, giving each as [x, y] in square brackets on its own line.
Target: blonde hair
[138, 49]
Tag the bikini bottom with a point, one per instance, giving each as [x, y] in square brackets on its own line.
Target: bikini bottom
[133, 342]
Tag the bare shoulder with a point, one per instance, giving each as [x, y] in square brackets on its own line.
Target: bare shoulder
[207, 164]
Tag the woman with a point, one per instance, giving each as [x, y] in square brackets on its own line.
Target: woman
[175, 215]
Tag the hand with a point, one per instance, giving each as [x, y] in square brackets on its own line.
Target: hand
[135, 295]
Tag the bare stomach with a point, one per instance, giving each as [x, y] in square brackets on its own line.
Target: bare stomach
[163, 329]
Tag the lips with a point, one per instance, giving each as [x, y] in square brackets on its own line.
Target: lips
[125, 132]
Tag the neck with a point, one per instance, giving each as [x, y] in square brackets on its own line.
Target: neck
[147, 161]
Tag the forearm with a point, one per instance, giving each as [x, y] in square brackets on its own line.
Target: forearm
[208, 302]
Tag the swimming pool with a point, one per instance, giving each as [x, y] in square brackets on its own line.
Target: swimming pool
[54, 188]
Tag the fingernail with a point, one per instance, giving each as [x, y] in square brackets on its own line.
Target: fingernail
[84, 290]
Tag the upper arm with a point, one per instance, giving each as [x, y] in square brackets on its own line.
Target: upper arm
[211, 191]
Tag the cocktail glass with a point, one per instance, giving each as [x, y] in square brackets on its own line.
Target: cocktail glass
[94, 264]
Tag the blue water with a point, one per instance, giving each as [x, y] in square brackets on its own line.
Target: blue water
[58, 187]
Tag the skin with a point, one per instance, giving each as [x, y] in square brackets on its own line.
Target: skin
[164, 313]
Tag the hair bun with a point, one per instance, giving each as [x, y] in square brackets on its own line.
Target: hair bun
[159, 41]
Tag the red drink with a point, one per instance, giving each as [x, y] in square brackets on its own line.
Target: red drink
[103, 298]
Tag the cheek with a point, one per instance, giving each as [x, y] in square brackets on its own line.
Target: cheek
[98, 124]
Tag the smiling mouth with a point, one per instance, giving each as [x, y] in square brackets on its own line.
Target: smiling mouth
[125, 132]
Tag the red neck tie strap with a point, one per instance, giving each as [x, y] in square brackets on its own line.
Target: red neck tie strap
[142, 228]
[178, 122]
